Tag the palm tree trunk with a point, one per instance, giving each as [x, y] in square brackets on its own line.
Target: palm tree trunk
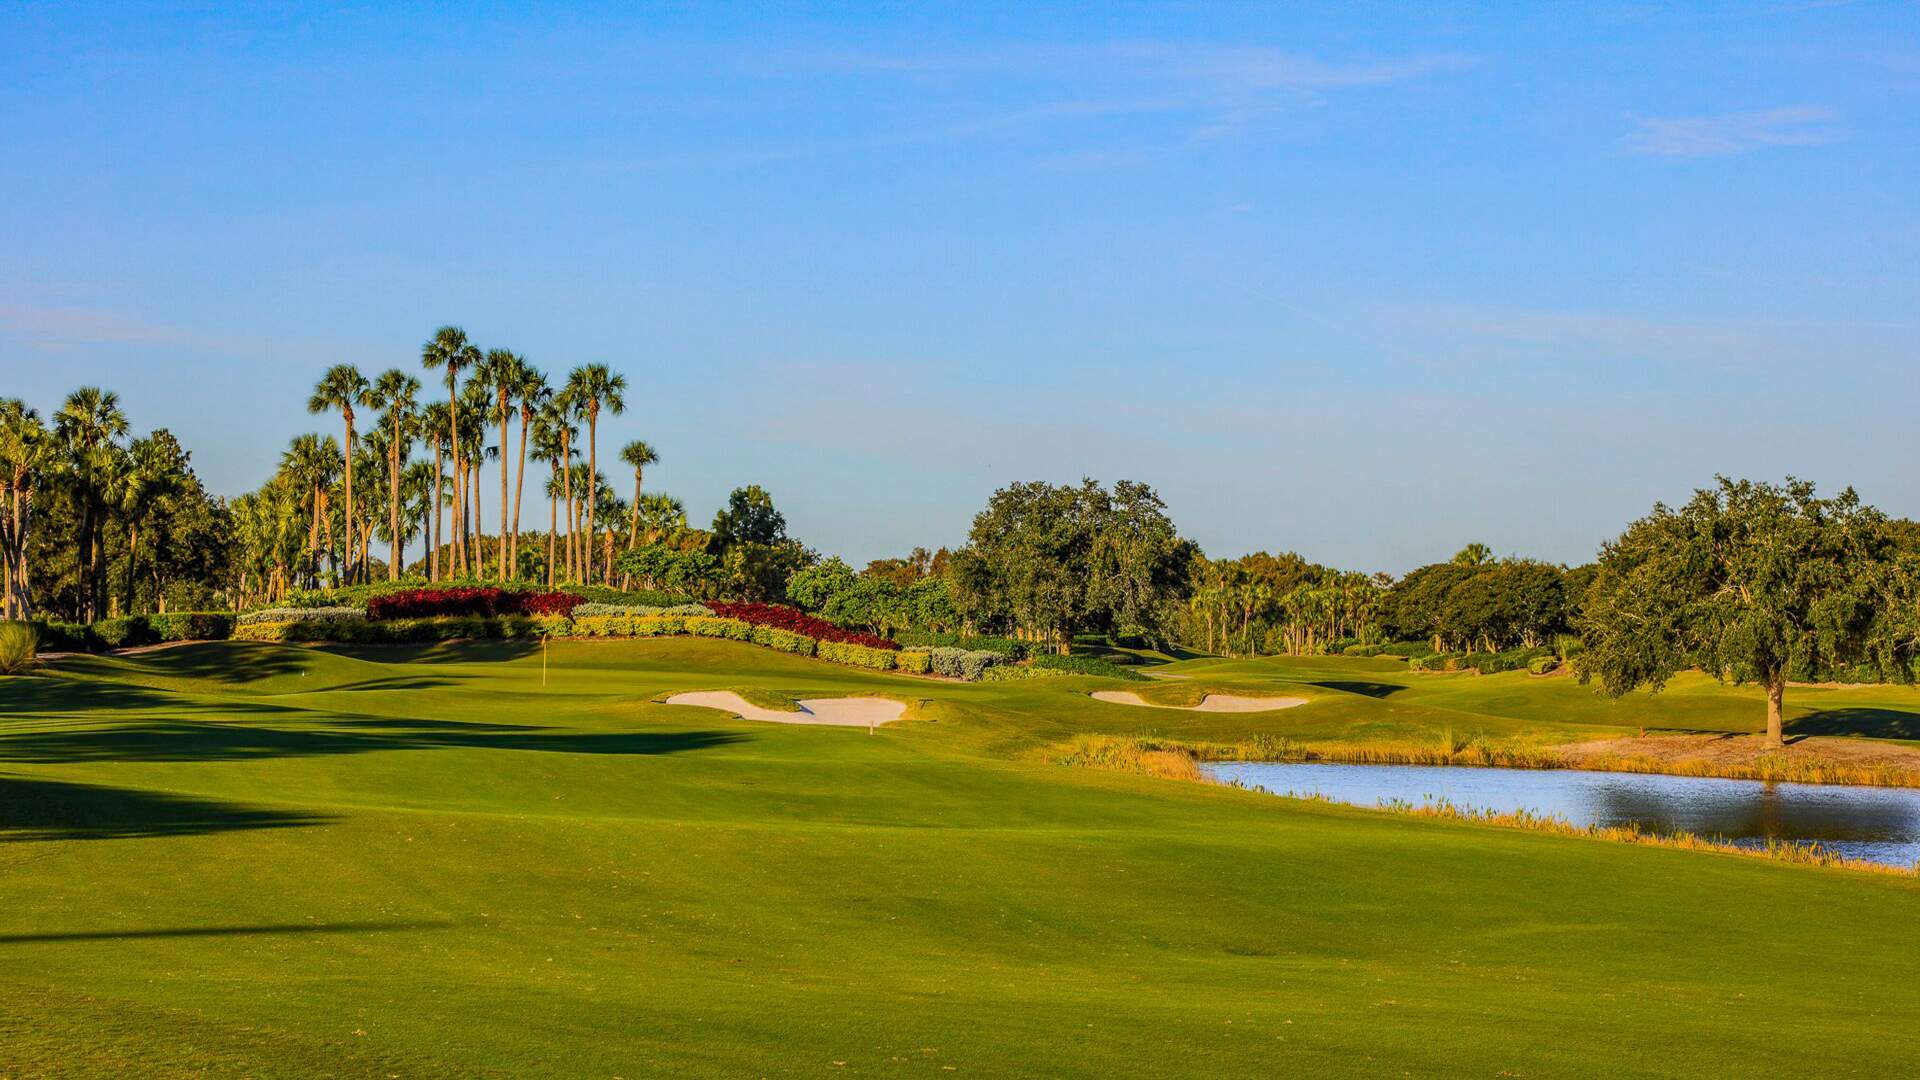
[633, 531]
[433, 543]
[553, 533]
[349, 514]
[393, 502]
[501, 558]
[479, 538]
[519, 489]
[566, 464]
[453, 446]
[593, 479]
[133, 552]
[313, 539]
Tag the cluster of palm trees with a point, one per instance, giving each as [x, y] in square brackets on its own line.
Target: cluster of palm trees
[1240, 609]
[85, 457]
[317, 519]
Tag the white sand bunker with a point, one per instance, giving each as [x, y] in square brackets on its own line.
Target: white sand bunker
[1210, 703]
[837, 712]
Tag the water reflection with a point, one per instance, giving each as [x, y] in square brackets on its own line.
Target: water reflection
[1881, 824]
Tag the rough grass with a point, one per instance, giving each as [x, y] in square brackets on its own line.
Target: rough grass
[19, 642]
[415, 860]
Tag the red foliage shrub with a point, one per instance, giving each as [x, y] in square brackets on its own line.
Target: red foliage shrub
[786, 618]
[550, 603]
[468, 600]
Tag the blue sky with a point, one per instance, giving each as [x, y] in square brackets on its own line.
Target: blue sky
[1363, 281]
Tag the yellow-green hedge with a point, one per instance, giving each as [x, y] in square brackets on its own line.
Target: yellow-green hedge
[841, 652]
[913, 663]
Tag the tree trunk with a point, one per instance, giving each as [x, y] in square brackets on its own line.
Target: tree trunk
[348, 523]
[553, 536]
[479, 538]
[133, 553]
[393, 503]
[1776, 713]
[566, 464]
[593, 484]
[433, 542]
[501, 558]
[519, 489]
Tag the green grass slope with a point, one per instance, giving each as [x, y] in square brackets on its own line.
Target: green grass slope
[234, 860]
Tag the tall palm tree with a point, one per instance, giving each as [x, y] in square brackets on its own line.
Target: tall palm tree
[476, 402]
[506, 370]
[531, 392]
[550, 445]
[340, 389]
[416, 493]
[596, 387]
[638, 455]
[26, 450]
[450, 350]
[435, 431]
[86, 426]
[310, 463]
[559, 417]
[156, 468]
[396, 394]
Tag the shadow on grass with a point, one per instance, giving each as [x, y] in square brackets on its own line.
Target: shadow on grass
[230, 662]
[1872, 723]
[34, 809]
[1368, 689]
[180, 740]
[471, 651]
[60, 695]
[221, 931]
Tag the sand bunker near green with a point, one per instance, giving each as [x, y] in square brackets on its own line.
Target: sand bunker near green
[1210, 703]
[836, 712]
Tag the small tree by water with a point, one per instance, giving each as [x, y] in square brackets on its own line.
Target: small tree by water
[1750, 582]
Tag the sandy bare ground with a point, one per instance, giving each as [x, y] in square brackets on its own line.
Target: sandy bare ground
[1746, 749]
[836, 712]
[1210, 703]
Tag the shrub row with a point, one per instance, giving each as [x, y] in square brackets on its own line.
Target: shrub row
[309, 614]
[841, 652]
[361, 595]
[1363, 650]
[1011, 648]
[1084, 665]
[1016, 672]
[799, 622]
[470, 600]
[127, 631]
[591, 609]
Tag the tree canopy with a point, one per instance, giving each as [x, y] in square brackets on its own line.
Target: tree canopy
[1751, 582]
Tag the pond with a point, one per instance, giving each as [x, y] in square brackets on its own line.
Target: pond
[1877, 824]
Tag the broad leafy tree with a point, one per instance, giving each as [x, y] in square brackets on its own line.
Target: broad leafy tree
[1749, 582]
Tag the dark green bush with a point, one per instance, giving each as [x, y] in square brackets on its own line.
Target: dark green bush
[123, 632]
[192, 625]
[1084, 665]
[62, 636]
[1010, 648]
[1408, 649]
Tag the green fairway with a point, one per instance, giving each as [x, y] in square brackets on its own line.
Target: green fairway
[261, 860]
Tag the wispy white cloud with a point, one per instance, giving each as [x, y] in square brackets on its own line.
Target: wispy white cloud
[1226, 89]
[1732, 133]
